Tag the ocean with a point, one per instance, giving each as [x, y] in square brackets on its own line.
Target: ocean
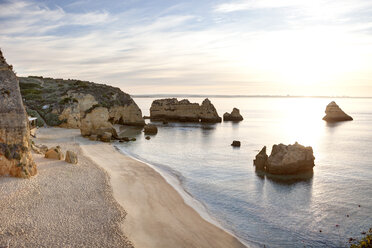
[323, 209]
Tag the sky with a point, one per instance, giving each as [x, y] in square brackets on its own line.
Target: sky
[229, 47]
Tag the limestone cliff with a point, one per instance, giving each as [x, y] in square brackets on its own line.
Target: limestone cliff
[64, 103]
[15, 156]
[173, 110]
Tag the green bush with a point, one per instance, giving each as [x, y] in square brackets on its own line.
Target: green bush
[52, 119]
[25, 86]
[33, 113]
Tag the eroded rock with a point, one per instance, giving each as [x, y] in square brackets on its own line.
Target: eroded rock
[286, 159]
[335, 114]
[171, 109]
[233, 116]
[15, 145]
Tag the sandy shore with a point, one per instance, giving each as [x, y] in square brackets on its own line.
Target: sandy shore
[64, 205]
[157, 216]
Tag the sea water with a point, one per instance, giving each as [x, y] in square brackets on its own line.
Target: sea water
[317, 210]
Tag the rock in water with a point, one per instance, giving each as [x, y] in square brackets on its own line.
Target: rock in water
[54, 153]
[286, 159]
[71, 157]
[208, 112]
[335, 114]
[15, 146]
[184, 111]
[261, 160]
[150, 129]
[233, 116]
[236, 143]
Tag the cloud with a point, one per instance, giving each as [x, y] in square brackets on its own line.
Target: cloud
[147, 51]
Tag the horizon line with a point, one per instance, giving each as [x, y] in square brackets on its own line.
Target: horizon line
[239, 96]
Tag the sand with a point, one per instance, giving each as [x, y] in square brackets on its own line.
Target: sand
[157, 215]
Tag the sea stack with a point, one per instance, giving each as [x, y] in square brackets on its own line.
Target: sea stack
[286, 160]
[233, 116]
[15, 147]
[171, 109]
[335, 114]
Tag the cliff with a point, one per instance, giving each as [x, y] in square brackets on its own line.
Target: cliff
[15, 155]
[173, 110]
[64, 103]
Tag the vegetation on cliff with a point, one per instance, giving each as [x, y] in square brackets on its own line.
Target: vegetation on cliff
[48, 98]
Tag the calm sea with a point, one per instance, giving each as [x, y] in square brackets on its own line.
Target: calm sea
[275, 212]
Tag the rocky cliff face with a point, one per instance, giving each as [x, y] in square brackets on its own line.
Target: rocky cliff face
[286, 159]
[15, 155]
[334, 114]
[64, 103]
[173, 110]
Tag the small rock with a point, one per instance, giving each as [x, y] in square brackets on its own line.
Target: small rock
[233, 116]
[150, 129]
[235, 143]
[148, 137]
[320, 230]
[93, 137]
[165, 122]
[54, 153]
[133, 139]
[71, 157]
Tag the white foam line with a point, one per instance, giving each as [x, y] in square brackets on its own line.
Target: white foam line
[173, 181]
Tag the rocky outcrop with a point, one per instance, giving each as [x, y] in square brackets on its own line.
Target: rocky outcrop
[233, 116]
[15, 146]
[71, 157]
[335, 114]
[54, 153]
[286, 159]
[65, 102]
[184, 111]
[150, 129]
[96, 122]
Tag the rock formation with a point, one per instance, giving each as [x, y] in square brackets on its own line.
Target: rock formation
[334, 113]
[233, 116]
[64, 103]
[15, 146]
[150, 129]
[173, 110]
[286, 159]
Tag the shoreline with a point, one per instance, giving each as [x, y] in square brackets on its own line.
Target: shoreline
[154, 219]
[188, 198]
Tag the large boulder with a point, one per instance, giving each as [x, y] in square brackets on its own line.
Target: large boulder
[233, 116]
[286, 159]
[335, 114]
[15, 145]
[71, 157]
[54, 153]
[96, 122]
[150, 129]
[171, 109]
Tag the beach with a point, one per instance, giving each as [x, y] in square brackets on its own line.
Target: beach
[106, 200]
